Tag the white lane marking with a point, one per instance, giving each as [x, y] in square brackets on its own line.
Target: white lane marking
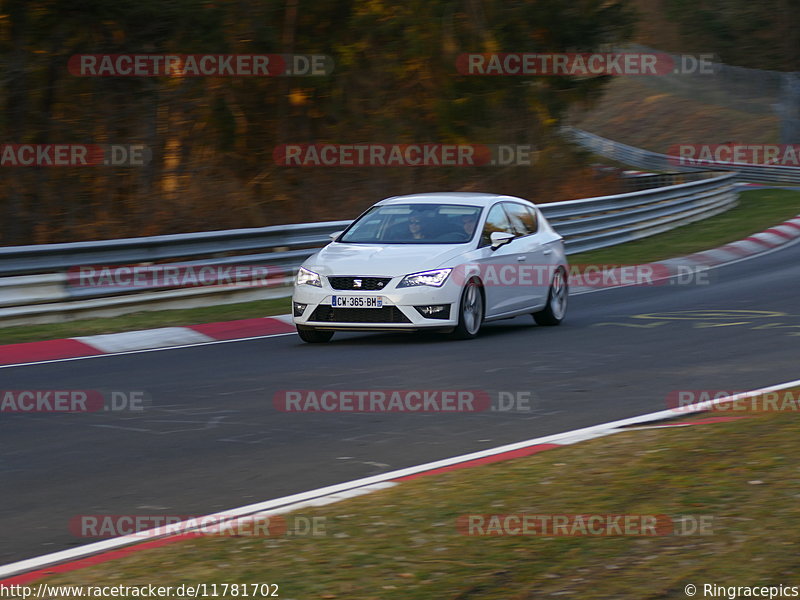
[585, 437]
[773, 239]
[748, 246]
[342, 489]
[211, 423]
[331, 498]
[162, 337]
[726, 253]
[792, 231]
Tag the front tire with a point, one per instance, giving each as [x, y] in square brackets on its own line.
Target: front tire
[556, 308]
[470, 312]
[314, 336]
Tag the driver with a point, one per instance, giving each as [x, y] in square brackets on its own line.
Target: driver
[469, 222]
[415, 227]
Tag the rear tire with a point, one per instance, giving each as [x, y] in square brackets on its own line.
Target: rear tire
[556, 308]
[314, 336]
[470, 312]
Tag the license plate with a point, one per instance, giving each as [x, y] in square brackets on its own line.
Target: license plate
[357, 301]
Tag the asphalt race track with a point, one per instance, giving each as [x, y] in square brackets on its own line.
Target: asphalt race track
[212, 439]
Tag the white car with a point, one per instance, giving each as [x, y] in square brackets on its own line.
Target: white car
[444, 261]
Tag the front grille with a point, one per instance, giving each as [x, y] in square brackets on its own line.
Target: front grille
[386, 314]
[369, 284]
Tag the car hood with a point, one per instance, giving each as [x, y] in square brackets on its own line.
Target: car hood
[390, 260]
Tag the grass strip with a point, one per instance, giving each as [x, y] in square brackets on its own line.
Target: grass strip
[757, 210]
[145, 320]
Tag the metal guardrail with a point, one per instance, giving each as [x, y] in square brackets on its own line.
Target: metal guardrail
[653, 161]
[606, 221]
[636, 181]
[46, 258]
[34, 286]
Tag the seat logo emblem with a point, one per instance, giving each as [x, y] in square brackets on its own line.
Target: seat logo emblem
[356, 283]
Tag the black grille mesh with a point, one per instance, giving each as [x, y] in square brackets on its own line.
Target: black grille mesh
[367, 283]
[386, 314]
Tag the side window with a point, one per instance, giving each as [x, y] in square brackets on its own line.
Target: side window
[523, 219]
[534, 218]
[496, 220]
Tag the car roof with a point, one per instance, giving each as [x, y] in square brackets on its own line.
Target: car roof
[466, 198]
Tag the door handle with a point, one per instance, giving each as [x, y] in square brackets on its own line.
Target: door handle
[522, 257]
[547, 251]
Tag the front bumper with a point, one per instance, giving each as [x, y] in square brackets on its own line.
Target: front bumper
[397, 314]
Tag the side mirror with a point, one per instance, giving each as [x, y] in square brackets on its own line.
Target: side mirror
[500, 238]
[335, 235]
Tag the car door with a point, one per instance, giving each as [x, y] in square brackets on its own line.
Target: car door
[493, 265]
[532, 258]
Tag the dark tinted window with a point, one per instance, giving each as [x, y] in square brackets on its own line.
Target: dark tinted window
[423, 223]
[496, 220]
[523, 218]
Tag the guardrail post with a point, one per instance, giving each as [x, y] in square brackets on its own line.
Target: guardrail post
[789, 108]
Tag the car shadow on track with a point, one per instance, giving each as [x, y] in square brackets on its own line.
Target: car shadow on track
[495, 329]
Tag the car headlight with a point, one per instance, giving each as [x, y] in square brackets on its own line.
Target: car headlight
[432, 278]
[306, 277]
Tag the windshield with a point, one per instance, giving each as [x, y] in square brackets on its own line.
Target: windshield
[414, 224]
